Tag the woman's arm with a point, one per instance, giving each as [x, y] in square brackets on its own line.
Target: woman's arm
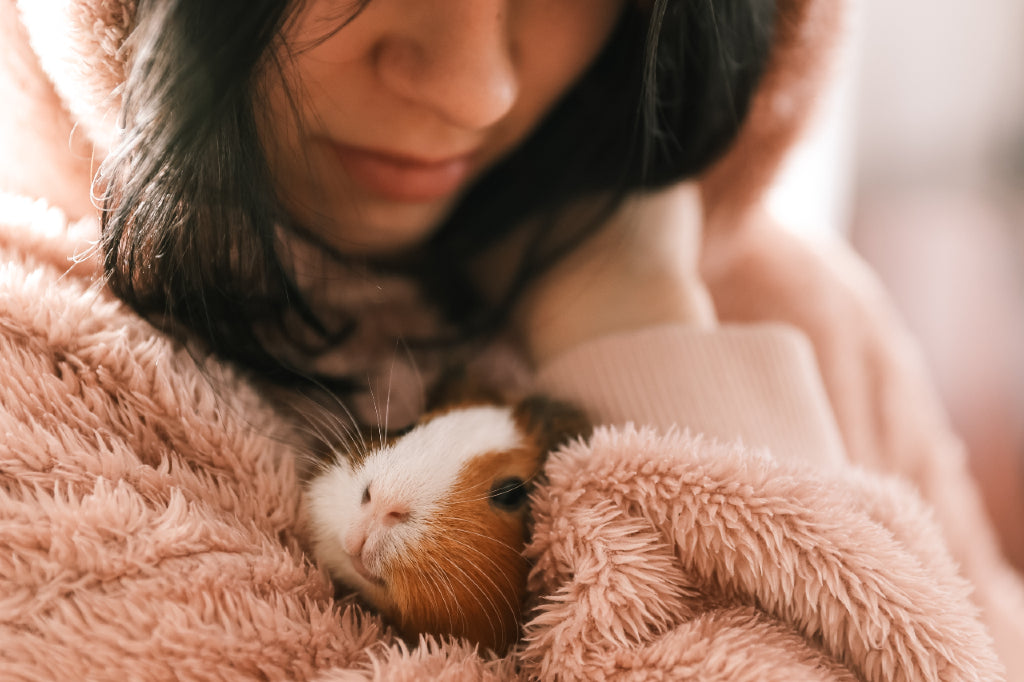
[626, 328]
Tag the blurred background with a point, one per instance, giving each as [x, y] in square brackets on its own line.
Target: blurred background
[917, 158]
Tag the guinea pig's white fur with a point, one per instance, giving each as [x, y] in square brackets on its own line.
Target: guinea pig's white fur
[409, 525]
[430, 528]
[405, 482]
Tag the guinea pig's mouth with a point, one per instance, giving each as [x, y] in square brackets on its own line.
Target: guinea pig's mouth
[360, 568]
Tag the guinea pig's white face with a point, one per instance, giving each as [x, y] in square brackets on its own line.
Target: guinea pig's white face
[429, 509]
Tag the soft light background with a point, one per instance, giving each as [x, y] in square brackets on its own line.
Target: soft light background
[917, 157]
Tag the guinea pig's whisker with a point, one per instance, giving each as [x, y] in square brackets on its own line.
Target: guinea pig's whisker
[442, 581]
[336, 442]
[442, 577]
[315, 430]
[330, 428]
[308, 465]
[493, 583]
[447, 563]
[438, 588]
[527, 482]
[497, 567]
[481, 535]
[391, 376]
[312, 464]
[317, 406]
[485, 574]
[476, 498]
[513, 610]
[349, 427]
[376, 411]
[415, 367]
[475, 590]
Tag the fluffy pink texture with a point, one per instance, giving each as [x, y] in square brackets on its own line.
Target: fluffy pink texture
[147, 509]
[875, 377]
[676, 558]
[149, 515]
[79, 44]
[151, 529]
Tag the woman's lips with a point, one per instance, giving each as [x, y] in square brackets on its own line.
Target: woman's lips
[403, 178]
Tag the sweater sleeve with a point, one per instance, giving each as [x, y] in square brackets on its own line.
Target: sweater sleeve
[759, 384]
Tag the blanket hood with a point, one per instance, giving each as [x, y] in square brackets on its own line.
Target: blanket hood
[78, 46]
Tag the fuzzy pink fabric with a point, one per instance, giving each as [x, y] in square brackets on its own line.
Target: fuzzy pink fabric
[668, 557]
[80, 46]
[151, 524]
[887, 410]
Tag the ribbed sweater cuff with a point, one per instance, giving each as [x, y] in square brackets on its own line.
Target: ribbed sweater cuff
[756, 383]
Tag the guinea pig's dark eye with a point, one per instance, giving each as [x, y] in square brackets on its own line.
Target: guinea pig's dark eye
[401, 431]
[508, 494]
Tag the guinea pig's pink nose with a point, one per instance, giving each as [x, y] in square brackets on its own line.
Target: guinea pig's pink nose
[394, 514]
[389, 512]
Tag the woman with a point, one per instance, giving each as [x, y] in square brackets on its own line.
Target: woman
[298, 191]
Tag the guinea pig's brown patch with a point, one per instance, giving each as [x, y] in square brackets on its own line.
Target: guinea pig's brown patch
[468, 577]
[550, 423]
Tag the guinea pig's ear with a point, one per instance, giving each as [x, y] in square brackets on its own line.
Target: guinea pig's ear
[456, 387]
[551, 422]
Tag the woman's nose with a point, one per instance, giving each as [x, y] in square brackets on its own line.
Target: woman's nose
[454, 57]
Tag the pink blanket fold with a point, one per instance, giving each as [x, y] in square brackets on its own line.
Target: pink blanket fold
[674, 558]
[150, 529]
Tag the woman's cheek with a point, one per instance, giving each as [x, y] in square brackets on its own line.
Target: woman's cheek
[331, 91]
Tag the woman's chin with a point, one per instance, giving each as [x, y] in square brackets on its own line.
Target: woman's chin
[380, 228]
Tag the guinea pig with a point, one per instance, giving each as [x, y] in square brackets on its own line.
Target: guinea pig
[429, 528]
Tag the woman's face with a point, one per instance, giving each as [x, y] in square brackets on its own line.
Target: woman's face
[377, 129]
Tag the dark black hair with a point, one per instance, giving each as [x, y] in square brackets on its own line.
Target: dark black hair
[190, 216]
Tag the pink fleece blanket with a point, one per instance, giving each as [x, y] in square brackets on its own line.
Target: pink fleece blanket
[151, 528]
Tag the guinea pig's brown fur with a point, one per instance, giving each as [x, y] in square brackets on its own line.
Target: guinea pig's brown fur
[480, 599]
[489, 590]
[464, 574]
